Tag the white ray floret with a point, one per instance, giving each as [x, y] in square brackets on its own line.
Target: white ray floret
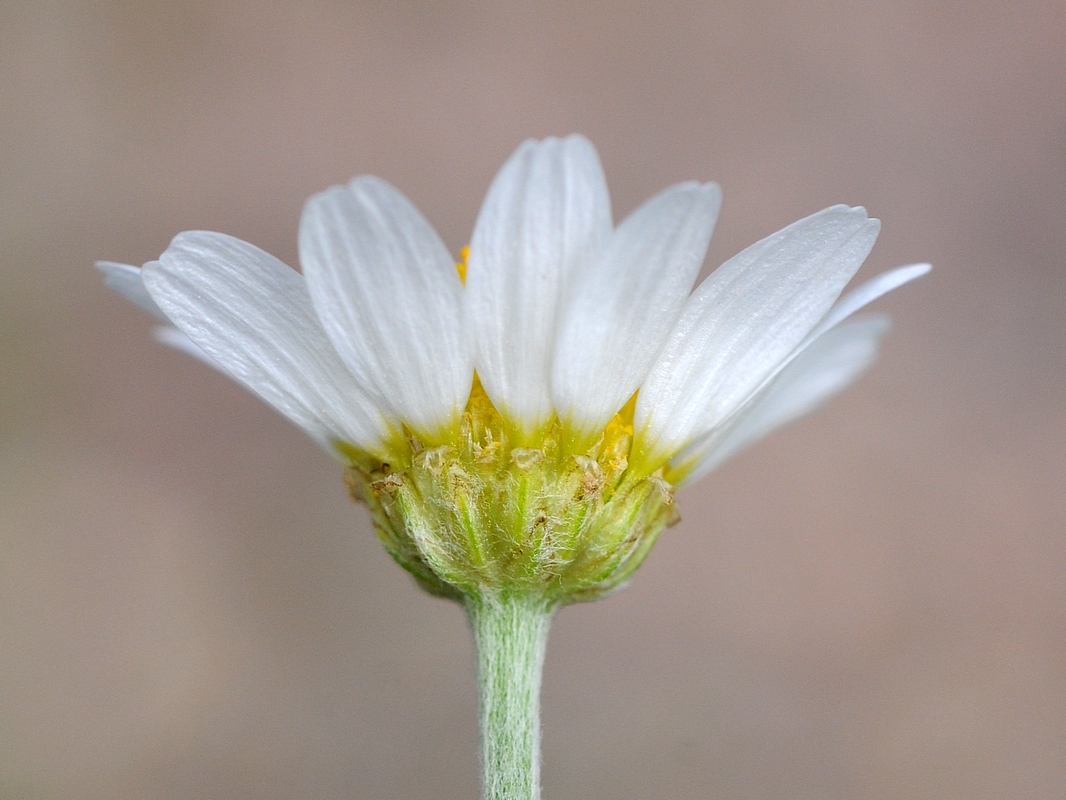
[742, 322]
[618, 312]
[546, 213]
[253, 316]
[826, 367]
[866, 293]
[390, 300]
[822, 338]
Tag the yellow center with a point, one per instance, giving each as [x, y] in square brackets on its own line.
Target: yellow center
[460, 265]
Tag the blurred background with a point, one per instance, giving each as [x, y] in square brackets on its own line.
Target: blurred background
[871, 604]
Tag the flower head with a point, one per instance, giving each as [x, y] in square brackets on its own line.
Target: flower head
[519, 423]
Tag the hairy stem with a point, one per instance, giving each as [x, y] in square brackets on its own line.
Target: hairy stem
[510, 637]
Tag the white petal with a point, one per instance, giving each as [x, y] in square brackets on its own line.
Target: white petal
[829, 365]
[853, 301]
[545, 214]
[126, 280]
[742, 322]
[850, 303]
[390, 300]
[253, 317]
[867, 293]
[620, 310]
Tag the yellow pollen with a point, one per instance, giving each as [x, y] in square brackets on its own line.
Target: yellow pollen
[460, 265]
[485, 438]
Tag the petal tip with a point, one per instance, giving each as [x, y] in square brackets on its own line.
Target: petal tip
[110, 267]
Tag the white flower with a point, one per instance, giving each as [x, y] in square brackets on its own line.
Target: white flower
[562, 315]
[516, 424]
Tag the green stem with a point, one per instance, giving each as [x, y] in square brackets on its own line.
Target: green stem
[510, 637]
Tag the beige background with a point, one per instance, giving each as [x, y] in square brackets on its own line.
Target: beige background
[870, 605]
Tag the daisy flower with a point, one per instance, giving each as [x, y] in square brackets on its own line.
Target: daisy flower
[559, 342]
[518, 423]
